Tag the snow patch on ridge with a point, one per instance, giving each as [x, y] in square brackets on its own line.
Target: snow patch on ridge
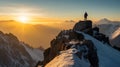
[36, 54]
[68, 59]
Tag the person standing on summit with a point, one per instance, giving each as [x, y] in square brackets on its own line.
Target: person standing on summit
[85, 16]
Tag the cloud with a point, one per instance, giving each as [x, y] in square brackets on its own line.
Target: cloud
[71, 21]
[17, 9]
[3, 21]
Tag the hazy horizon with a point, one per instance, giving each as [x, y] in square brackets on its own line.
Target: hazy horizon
[32, 20]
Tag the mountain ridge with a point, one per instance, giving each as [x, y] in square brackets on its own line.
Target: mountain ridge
[84, 42]
[68, 60]
[14, 53]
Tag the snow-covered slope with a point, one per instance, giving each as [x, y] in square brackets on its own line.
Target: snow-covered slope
[108, 27]
[35, 53]
[68, 59]
[104, 21]
[108, 57]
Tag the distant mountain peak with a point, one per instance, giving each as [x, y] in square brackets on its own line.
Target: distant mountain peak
[104, 21]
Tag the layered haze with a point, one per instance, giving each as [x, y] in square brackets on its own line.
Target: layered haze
[35, 35]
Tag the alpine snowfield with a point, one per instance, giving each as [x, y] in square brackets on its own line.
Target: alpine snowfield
[108, 57]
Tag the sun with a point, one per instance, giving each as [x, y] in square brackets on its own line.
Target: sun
[23, 19]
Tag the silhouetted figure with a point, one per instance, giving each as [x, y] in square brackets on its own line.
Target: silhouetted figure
[85, 16]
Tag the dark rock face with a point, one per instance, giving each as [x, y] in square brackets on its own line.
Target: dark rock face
[117, 48]
[96, 29]
[84, 26]
[100, 36]
[58, 44]
[13, 53]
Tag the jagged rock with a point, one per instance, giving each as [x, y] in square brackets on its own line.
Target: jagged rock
[14, 53]
[117, 48]
[92, 53]
[64, 41]
[96, 29]
[84, 26]
[59, 44]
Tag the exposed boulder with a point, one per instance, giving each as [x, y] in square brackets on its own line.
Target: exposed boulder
[84, 26]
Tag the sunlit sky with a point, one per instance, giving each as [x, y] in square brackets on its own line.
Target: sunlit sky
[59, 10]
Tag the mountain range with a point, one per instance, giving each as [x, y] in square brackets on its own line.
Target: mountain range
[111, 29]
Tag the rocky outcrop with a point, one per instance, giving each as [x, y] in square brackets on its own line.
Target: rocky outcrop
[84, 26]
[100, 36]
[59, 44]
[70, 39]
[117, 48]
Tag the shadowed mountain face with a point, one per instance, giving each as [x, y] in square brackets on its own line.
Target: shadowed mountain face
[111, 29]
[108, 27]
[14, 53]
